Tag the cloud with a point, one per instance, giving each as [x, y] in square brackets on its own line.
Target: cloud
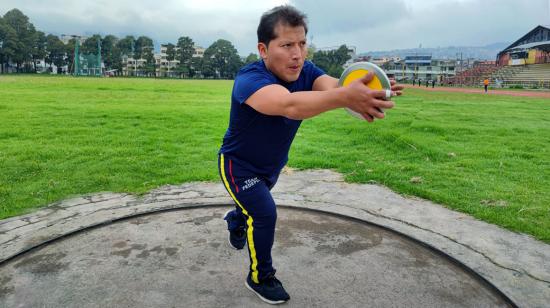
[204, 21]
[393, 24]
[366, 24]
[350, 15]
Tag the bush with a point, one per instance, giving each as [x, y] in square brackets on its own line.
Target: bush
[516, 86]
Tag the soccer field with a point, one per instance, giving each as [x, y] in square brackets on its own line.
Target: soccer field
[484, 155]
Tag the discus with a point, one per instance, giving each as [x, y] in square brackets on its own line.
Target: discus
[380, 80]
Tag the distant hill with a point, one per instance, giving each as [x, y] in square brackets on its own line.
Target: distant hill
[488, 52]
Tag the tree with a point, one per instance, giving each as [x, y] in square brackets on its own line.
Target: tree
[184, 54]
[69, 51]
[332, 61]
[25, 33]
[89, 46]
[144, 49]
[341, 55]
[170, 52]
[55, 51]
[310, 52]
[110, 53]
[170, 56]
[8, 44]
[38, 50]
[221, 60]
[252, 57]
[51, 41]
[196, 67]
[126, 46]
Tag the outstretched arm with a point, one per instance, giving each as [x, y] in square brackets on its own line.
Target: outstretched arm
[327, 82]
[277, 100]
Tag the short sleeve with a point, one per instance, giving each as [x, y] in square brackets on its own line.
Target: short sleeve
[250, 81]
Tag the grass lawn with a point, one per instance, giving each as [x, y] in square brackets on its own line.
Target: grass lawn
[485, 155]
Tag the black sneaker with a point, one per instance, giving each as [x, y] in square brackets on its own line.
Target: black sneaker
[237, 237]
[270, 290]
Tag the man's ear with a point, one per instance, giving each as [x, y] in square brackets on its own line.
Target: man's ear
[262, 50]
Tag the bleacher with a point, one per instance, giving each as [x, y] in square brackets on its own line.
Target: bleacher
[528, 76]
[475, 75]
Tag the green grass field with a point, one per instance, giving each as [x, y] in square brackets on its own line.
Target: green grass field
[485, 155]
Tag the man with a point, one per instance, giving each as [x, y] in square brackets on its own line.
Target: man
[269, 99]
[486, 84]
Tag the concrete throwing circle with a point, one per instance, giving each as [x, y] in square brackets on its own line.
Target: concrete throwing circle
[181, 259]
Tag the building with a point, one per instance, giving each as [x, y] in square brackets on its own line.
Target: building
[420, 67]
[165, 67]
[475, 74]
[133, 67]
[532, 48]
[169, 68]
[199, 51]
[412, 67]
[384, 60]
[526, 62]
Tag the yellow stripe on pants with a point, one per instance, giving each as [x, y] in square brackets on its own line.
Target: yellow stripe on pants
[250, 229]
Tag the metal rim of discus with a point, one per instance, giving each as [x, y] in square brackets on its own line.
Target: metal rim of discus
[370, 67]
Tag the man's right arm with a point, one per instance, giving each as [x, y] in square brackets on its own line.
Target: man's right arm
[277, 100]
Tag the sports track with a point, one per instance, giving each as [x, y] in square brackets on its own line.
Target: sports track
[525, 93]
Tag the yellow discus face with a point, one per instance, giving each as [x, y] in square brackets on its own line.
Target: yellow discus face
[374, 84]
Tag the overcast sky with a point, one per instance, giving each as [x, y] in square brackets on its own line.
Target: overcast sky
[368, 25]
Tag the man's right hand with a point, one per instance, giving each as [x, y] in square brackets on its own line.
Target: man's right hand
[366, 101]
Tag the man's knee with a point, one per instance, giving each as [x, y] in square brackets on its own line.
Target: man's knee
[266, 218]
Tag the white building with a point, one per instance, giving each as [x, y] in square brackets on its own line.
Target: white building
[420, 67]
[165, 67]
[133, 67]
[199, 51]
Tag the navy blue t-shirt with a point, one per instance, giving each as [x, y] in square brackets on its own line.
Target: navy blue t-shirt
[259, 142]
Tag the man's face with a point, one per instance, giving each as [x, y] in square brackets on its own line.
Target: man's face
[285, 55]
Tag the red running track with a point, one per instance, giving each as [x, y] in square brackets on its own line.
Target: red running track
[544, 94]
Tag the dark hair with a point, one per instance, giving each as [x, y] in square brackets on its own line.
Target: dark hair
[285, 15]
